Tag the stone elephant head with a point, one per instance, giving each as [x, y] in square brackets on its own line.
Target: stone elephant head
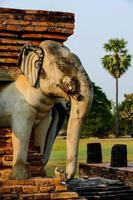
[59, 73]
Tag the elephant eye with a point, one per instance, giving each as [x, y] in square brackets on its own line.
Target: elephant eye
[61, 67]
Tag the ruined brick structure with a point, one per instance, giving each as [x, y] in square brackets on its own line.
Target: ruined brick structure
[20, 27]
[124, 174]
[35, 188]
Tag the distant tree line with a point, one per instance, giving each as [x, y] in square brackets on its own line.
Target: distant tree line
[100, 121]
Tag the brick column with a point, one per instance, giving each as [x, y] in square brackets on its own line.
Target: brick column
[34, 160]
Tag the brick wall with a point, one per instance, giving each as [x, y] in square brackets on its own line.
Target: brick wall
[20, 27]
[35, 188]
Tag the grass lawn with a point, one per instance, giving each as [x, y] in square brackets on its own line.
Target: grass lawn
[58, 155]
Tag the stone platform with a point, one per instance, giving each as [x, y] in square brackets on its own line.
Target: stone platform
[98, 188]
[124, 174]
[33, 188]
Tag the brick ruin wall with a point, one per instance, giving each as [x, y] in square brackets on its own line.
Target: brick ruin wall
[20, 27]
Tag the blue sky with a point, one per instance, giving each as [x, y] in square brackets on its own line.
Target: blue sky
[96, 22]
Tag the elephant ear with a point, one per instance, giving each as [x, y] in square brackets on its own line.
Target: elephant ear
[30, 62]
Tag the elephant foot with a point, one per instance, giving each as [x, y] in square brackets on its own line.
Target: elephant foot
[18, 172]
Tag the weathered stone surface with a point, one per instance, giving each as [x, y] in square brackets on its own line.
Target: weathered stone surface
[119, 155]
[94, 153]
[124, 174]
[101, 188]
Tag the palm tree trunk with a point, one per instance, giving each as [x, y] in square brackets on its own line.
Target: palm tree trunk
[117, 112]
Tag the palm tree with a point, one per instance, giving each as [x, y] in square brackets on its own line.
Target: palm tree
[116, 63]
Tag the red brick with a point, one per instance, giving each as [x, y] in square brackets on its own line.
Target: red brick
[0, 160]
[43, 24]
[10, 48]
[17, 189]
[34, 156]
[5, 189]
[4, 151]
[26, 196]
[8, 157]
[25, 182]
[37, 174]
[29, 189]
[61, 188]
[35, 168]
[6, 163]
[4, 174]
[42, 196]
[47, 181]
[64, 195]
[5, 132]
[46, 188]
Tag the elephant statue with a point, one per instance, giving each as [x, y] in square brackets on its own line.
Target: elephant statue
[50, 73]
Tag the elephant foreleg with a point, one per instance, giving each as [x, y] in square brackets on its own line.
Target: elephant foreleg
[22, 123]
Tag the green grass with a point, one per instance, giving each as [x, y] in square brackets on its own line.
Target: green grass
[58, 155]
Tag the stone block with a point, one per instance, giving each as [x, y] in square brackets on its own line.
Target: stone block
[119, 155]
[61, 188]
[94, 153]
[64, 195]
[26, 197]
[47, 181]
[42, 196]
[4, 173]
[9, 197]
[5, 189]
[25, 182]
[29, 189]
[46, 188]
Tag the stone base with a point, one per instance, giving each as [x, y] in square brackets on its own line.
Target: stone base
[124, 174]
[99, 188]
[35, 188]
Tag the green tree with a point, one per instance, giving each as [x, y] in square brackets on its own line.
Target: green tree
[116, 63]
[100, 119]
[126, 114]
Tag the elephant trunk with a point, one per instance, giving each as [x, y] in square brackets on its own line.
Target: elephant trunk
[79, 110]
